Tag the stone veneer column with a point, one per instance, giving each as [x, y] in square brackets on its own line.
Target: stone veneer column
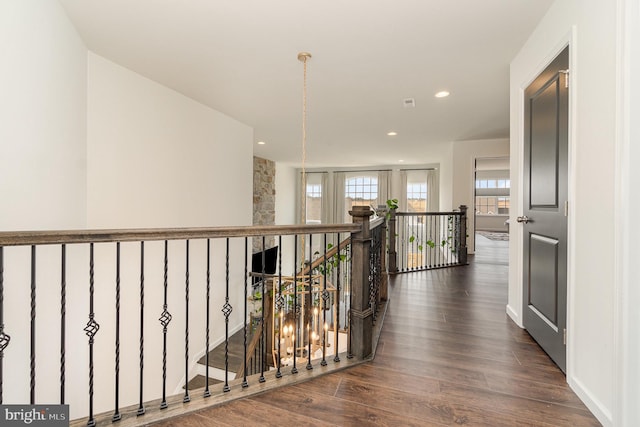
[264, 198]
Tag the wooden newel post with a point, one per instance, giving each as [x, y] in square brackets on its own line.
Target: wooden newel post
[361, 315]
[462, 251]
[393, 254]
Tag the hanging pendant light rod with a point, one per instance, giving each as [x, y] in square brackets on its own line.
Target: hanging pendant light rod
[303, 57]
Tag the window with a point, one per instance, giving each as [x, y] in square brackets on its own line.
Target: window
[361, 190]
[416, 196]
[493, 183]
[492, 196]
[314, 199]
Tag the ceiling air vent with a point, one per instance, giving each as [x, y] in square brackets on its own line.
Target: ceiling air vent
[409, 103]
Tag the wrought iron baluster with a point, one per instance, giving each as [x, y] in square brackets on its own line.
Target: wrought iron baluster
[226, 310]
[279, 308]
[33, 326]
[116, 414]
[422, 220]
[141, 409]
[296, 308]
[263, 349]
[309, 305]
[165, 318]
[186, 397]
[374, 276]
[337, 298]
[91, 329]
[63, 315]
[4, 338]
[348, 313]
[429, 250]
[245, 384]
[325, 298]
[207, 392]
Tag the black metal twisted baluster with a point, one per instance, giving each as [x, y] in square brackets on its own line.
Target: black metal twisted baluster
[245, 384]
[296, 309]
[325, 298]
[375, 271]
[4, 338]
[263, 331]
[336, 299]
[207, 392]
[165, 318]
[349, 354]
[280, 306]
[91, 329]
[33, 326]
[63, 316]
[141, 409]
[116, 413]
[186, 397]
[226, 310]
[310, 304]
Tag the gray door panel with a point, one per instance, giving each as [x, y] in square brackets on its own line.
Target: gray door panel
[545, 194]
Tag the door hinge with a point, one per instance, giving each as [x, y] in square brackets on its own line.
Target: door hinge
[564, 336]
[566, 208]
[566, 77]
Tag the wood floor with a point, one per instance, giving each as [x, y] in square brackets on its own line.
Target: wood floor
[447, 355]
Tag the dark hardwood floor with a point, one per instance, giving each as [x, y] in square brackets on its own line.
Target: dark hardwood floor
[447, 355]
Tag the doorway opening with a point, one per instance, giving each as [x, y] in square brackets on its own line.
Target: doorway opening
[491, 208]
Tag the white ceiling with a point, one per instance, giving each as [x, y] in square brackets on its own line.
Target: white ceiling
[240, 58]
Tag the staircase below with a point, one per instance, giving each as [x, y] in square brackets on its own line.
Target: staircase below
[217, 361]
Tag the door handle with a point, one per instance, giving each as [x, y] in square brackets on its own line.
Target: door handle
[525, 219]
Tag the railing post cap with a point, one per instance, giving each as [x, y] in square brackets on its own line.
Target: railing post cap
[361, 211]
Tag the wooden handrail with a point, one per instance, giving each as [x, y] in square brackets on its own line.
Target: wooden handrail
[334, 250]
[23, 238]
[257, 334]
[428, 213]
[330, 253]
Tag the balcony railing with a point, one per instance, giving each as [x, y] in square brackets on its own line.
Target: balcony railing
[113, 322]
[427, 240]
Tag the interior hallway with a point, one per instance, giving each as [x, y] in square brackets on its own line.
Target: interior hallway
[448, 355]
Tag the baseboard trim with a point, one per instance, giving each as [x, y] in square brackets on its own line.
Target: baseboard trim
[594, 405]
[514, 316]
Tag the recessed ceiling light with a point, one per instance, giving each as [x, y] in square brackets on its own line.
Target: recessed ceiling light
[400, 161]
[442, 94]
[392, 133]
[261, 143]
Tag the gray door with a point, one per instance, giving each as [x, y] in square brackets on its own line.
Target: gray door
[545, 208]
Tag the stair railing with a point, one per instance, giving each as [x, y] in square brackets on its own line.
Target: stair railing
[145, 293]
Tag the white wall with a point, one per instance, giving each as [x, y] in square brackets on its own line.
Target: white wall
[463, 180]
[592, 177]
[43, 108]
[159, 159]
[151, 158]
[285, 194]
[286, 202]
[43, 81]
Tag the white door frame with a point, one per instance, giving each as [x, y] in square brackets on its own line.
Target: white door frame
[514, 308]
[627, 204]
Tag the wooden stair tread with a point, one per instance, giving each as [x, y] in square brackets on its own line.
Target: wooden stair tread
[236, 352]
[199, 381]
